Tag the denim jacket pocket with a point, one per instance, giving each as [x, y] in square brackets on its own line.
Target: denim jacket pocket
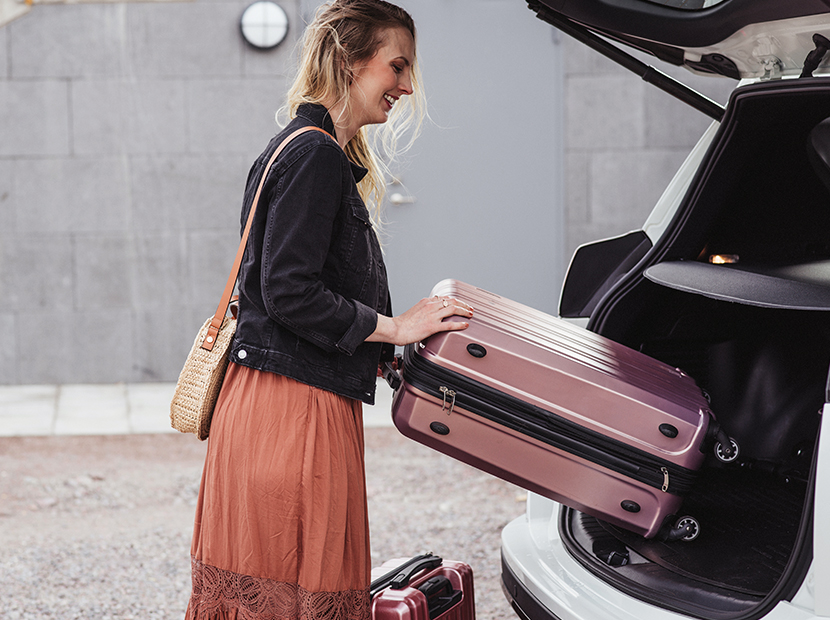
[356, 254]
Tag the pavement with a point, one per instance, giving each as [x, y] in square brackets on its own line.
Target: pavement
[98, 493]
[114, 409]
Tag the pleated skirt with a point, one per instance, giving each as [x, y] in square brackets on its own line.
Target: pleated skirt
[281, 529]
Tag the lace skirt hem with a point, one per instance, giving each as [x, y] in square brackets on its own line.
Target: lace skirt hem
[224, 595]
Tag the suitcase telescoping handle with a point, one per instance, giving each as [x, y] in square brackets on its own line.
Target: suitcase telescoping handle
[392, 372]
[440, 595]
[400, 577]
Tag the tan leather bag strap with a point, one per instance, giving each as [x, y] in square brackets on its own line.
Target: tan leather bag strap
[224, 302]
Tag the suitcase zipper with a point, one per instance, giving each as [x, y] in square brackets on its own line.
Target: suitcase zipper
[447, 392]
[454, 389]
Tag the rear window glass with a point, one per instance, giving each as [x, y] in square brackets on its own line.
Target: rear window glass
[689, 5]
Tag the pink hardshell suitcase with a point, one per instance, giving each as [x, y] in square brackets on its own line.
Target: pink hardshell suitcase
[423, 588]
[560, 411]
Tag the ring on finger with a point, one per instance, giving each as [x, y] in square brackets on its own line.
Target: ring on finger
[446, 303]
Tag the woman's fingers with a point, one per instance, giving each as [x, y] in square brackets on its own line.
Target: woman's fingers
[446, 307]
[452, 306]
[429, 316]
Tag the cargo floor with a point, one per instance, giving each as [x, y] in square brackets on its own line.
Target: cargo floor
[748, 522]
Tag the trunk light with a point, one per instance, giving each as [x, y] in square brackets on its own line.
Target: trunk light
[723, 259]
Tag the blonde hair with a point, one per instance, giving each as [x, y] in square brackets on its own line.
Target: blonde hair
[342, 34]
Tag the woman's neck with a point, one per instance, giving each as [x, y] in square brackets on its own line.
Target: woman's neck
[345, 131]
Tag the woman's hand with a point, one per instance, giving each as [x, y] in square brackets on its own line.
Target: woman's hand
[421, 321]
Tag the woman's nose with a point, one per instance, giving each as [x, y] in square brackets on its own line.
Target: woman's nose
[405, 84]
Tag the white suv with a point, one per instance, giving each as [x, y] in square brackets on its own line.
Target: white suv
[729, 279]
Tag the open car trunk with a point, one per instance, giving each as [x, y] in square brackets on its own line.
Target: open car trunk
[755, 334]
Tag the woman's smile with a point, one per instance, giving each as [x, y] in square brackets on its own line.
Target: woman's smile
[384, 79]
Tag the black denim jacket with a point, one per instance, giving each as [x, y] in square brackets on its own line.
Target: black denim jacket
[312, 280]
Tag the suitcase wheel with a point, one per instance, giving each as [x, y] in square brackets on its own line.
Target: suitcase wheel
[724, 455]
[685, 529]
[690, 526]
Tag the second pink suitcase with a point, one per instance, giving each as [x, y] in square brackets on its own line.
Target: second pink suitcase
[423, 588]
[560, 411]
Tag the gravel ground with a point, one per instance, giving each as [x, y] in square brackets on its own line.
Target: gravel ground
[99, 527]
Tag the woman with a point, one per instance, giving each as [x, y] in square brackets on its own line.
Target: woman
[281, 526]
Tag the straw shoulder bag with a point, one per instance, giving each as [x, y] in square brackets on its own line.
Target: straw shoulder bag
[204, 369]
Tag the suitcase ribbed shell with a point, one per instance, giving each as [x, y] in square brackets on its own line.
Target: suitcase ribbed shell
[573, 375]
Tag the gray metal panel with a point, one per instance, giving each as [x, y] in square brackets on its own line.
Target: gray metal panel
[486, 173]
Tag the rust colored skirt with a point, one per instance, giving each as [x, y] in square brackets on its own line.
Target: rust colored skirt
[281, 527]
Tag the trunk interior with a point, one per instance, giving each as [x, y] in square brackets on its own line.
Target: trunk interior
[760, 198]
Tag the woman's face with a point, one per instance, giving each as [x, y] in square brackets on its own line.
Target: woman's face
[383, 79]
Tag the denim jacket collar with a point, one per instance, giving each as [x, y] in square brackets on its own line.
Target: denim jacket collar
[318, 115]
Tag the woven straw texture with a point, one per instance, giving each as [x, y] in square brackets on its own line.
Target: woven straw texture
[200, 381]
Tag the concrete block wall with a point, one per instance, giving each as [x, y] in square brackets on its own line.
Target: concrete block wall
[624, 140]
[126, 133]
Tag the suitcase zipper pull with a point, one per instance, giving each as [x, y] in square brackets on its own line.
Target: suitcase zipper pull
[665, 487]
[447, 392]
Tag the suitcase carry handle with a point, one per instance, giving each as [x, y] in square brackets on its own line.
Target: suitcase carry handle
[399, 578]
[402, 579]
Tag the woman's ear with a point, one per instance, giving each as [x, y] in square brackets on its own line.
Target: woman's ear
[347, 71]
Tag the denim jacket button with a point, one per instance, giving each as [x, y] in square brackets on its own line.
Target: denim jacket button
[242, 354]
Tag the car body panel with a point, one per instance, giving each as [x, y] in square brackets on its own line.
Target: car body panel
[767, 50]
[821, 533]
[758, 37]
[549, 574]
[654, 227]
[668, 203]
[763, 40]
[533, 550]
